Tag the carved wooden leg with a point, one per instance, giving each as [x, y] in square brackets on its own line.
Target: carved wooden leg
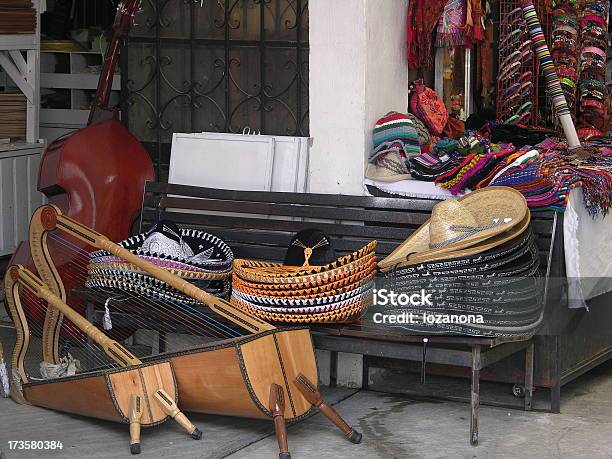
[277, 407]
[312, 394]
[172, 410]
[135, 416]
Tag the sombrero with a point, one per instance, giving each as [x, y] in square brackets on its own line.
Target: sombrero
[477, 222]
[319, 291]
[308, 287]
[313, 285]
[347, 312]
[198, 256]
[166, 244]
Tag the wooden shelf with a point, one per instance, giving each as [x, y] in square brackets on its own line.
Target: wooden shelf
[75, 81]
[20, 59]
[18, 42]
[8, 149]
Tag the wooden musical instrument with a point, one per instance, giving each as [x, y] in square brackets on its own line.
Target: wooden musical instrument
[268, 373]
[103, 394]
[96, 176]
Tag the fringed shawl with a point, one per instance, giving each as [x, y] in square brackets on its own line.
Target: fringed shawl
[423, 15]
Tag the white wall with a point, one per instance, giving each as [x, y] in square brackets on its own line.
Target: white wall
[358, 72]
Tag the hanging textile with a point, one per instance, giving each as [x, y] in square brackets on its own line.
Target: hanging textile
[474, 23]
[449, 33]
[423, 15]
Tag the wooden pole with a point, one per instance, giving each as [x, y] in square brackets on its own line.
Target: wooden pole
[312, 394]
[135, 415]
[171, 409]
[277, 408]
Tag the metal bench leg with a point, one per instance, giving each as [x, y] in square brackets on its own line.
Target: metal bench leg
[475, 399]
[555, 390]
[529, 355]
[333, 369]
[365, 373]
[555, 397]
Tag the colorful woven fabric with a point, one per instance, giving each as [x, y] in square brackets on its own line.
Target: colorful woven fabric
[545, 174]
[547, 178]
[394, 128]
[423, 16]
[451, 24]
[422, 132]
[553, 85]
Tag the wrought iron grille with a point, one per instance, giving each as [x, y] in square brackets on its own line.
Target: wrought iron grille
[217, 66]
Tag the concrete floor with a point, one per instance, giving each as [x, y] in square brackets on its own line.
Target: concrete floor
[393, 425]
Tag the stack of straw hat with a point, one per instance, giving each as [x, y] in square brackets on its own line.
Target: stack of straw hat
[311, 286]
[477, 258]
[197, 256]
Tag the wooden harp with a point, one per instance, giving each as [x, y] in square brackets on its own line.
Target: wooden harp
[231, 375]
[104, 393]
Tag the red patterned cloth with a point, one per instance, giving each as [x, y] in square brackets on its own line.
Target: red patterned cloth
[423, 16]
[474, 23]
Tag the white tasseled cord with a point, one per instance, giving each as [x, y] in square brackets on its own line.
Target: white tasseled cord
[106, 319]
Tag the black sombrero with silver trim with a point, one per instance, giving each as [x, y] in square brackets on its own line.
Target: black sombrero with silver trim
[198, 256]
[168, 245]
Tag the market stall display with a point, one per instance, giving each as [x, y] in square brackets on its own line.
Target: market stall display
[516, 88]
[565, 45]
[591, 89]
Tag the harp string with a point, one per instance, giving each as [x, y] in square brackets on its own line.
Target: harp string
[185, 313]
[134, 318]
[75, 332]
[204, 326]
[92, 352]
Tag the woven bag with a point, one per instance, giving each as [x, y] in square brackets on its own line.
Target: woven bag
[428, 106]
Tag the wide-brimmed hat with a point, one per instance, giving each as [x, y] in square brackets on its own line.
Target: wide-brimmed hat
[469, 225]
[197, 256]
[183, 250]
[311, 286]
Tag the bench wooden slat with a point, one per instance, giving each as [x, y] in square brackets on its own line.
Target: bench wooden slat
[246, 220]
[296, 210]
[245, 223]
[290, 198]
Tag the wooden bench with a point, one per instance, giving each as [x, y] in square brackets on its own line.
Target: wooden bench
[259, 225]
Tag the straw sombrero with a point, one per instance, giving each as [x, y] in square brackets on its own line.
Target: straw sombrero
[466, 226]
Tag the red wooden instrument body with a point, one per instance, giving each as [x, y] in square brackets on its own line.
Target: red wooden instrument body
[96, 176]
